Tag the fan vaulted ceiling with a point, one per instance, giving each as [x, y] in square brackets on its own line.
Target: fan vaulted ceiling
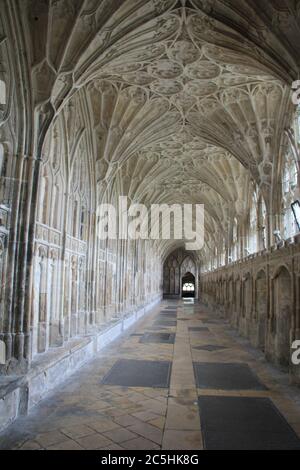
[187, 99]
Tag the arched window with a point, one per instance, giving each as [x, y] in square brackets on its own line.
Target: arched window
[45, 200]
[262, 223]
[289, 186]
[80, 192]
[74, 221]
[234, 251]
[289, 182]
[290, 179]
[57, 207]
[83, 227]
[2, 92]
[253, 224]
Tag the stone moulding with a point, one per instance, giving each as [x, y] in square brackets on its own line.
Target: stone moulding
[19, 395]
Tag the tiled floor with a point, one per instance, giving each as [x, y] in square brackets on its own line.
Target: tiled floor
[92, 412]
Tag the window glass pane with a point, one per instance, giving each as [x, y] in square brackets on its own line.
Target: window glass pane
[188, 287]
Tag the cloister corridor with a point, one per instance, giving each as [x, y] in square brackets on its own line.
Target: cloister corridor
[149, 225]
[249, 405]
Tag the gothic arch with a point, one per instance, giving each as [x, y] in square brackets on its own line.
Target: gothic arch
[282, 316]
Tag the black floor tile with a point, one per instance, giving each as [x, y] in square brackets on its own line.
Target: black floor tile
[210, 321]
[242, 423]
[198, 328]
[166, 315]
[210, 348]
[164, 338]
[220, 376]
[132, 373]
[157, 328]
[165, 322]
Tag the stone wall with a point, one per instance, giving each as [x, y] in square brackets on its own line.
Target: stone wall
[260, 296]
[18, 395]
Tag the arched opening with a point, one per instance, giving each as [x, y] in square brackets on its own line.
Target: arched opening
[178, 263]
[188, 286]
[247, 296]
[261, 309]
[283, 313]
[237, 302]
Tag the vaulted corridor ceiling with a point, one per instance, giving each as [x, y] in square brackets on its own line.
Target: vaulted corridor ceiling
[187, 99]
